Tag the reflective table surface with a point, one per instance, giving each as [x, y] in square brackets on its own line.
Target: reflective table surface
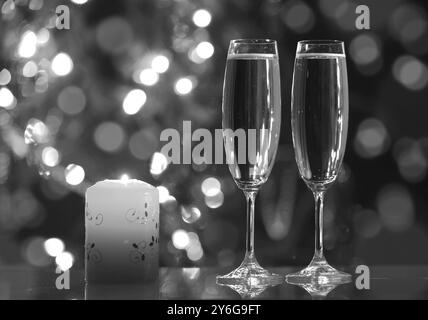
[385, 282]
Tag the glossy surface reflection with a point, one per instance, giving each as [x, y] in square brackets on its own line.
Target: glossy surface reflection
[386, 282]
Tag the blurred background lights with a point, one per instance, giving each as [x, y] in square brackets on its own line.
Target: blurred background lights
[62, 64]
[372, 138]
[109, 136]
[163, 194]
[79, 1]
[35, 253]
[134, 101]
[30, 69]
[71, 100]
[202, 18]
[194, 249]
[160, 64]
[190, 214]
[180, 239]
[298, 16]
[50, 156]
[396, 208]
[28, 45]
[204, 50]
[214, 201]
[158, 164]
[364, 49]
[183, 86]
[64, 260]
[36, 132]
[114, 35]
[195, 253]
[411, 160]
[5, 77]
[367, 223]
[35, 4]
[7, 99]
[43, 36]
[211, 186]
[148, 77]
[410, 72]
[408, 23]
[8, 7]
[54, 247]
[74, 174]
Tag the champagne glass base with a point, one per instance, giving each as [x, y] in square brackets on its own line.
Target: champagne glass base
[251, 275]
[319, 273]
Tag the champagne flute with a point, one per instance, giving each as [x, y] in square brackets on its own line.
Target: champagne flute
[251, 117]
[319, 119]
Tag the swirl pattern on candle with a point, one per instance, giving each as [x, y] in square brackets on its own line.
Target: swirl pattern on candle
[133, 215]
[140, 250]
[96, 220]
[93, 254]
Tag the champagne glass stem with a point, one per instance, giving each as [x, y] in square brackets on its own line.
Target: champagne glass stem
[251, 198]
[319, 224]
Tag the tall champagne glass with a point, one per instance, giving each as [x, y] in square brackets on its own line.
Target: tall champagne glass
[251, 126]
[319, 119]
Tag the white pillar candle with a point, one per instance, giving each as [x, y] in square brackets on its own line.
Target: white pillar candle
[122, 232]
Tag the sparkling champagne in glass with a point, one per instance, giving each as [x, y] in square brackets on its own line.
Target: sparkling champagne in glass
[319, 119]
[251, 126]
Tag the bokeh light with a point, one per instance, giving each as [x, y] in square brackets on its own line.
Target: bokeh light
[183, 86]
[372, 138]
[364, 49]
[134, 101]
[74, 174]
[158, 164]
[64, 260]
[30, 69]
[160, 64]
[190, 214]
[408, 23]
[367, 223]
[214, 201]
[5, 77]
[163, 194]
[180, 239]
[148, 77]
[297, 16]
[194, 249]
[50, 156]
[109, 136]
[211, 186]
[114, 35]
[72, 100]
[34, 252]
[204, 50]
[410, 72]
[7, 99]
[43, 36]
[54, 247]
[202, 18]
[411, 160]
[62, 64]
[80, 2]
[28, 45]
[396, 208]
